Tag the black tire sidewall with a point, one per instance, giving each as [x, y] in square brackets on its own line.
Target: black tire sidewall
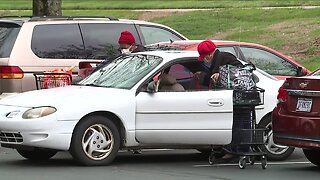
[313, 155]
[76, 149]
[276, 157]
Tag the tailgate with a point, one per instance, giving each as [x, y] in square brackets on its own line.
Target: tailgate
[303, 96]
[8, 34]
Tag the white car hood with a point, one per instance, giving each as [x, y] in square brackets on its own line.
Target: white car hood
[55, 96]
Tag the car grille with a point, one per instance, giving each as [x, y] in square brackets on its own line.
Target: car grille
[11, 137]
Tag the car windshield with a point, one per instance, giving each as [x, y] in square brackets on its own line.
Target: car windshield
[123, 72]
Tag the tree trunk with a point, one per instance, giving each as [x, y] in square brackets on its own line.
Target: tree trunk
[47, 8]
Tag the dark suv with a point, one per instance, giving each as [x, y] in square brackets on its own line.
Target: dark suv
[46, 43]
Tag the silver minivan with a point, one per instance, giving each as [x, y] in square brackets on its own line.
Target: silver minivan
[40, 44]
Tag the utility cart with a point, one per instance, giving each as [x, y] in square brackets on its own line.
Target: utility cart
[47, 80]
[246, 136]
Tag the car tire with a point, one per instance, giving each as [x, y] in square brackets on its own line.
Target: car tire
[37, 154]
[313, 155]
[274, 151]
[95, 141]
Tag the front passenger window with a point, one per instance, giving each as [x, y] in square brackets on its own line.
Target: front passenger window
[154, 35]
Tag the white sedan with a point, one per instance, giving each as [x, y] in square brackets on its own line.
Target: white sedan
[114, 109]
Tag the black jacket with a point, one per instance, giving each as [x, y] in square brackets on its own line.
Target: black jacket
[219, 59]
[223, 58]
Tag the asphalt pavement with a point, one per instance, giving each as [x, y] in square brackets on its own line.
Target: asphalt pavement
[153, 165]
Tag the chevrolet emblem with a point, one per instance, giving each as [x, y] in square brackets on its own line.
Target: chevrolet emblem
[303, 85]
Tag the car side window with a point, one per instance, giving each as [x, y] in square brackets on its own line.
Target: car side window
[101, 40]
[153, 34]
[269, 62]
[180, 72]
[57, 41]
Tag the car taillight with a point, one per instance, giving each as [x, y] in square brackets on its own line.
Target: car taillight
[282, 92]
[11, 72]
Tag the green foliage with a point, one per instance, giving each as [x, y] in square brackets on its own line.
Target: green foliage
[312, 63]
[294, 32]
[158, 4]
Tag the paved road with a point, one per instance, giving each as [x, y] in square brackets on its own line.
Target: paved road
[153, 165]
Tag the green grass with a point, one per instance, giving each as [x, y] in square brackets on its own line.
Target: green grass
[294, 32]
[158, 4]
[113, 13]
[312, 63]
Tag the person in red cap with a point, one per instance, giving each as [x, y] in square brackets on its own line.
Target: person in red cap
[213, 59]
[128, 43]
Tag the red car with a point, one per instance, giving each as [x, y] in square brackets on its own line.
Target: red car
[266, 59]
[296, 119]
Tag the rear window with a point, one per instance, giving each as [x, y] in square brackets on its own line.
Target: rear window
[8, 36]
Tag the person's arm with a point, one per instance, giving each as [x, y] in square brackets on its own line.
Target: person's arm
[223, 58]
[217, 62]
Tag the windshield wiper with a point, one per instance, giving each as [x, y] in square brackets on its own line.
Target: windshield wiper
[94, 85]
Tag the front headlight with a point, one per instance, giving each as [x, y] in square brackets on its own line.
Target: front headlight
[38, 112]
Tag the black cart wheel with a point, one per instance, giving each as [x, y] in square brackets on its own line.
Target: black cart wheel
[95, 141]
[212, 158]
[264, 162]
[252, 160]
[242, 162]
[37, 154]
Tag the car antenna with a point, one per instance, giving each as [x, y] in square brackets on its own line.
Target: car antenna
[171, 41]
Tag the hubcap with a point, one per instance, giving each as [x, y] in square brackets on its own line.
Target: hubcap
[270, 145]
[97, 142]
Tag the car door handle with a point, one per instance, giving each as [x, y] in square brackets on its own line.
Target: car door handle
[215, 102]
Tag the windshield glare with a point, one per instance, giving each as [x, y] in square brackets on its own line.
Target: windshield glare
[123, 72]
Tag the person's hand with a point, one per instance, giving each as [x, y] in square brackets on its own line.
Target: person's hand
[197, 75]
[215, 77]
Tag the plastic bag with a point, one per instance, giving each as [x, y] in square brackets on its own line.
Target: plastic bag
[236, 78]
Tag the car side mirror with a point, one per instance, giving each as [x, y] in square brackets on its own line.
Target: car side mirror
[153, 86]
[300, 71]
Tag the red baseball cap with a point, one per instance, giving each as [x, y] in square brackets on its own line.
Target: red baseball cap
[126, 38]
[205, 48]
